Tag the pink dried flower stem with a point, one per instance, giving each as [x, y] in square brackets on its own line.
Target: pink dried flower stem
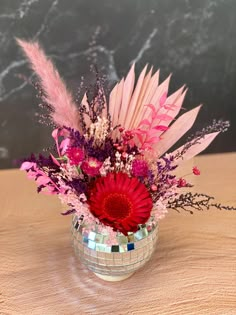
[35, 172]
[147, 136]
[55, 137]
[50, 180]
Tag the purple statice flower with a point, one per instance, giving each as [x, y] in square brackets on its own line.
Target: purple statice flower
[79, 185]
[100, 152]
[165, 178]
[150, 177]
[92, 150]
[77, 138]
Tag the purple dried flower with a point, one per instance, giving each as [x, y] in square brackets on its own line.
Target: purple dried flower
[78, 185]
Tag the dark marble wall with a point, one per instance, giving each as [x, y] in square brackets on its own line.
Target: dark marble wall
[195, 40]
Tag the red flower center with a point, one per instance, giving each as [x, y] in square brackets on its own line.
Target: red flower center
[117, 206]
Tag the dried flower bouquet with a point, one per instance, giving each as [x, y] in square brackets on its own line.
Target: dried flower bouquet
[110, 164]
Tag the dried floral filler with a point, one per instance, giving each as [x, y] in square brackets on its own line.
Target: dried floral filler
[110, 164]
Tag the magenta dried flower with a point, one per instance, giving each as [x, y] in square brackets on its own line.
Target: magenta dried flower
[91, 166]
[75, 155]
[139, 168]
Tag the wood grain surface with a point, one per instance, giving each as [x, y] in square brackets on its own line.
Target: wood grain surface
[193, 270]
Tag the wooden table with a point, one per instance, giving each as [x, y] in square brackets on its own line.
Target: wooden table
[193, 270]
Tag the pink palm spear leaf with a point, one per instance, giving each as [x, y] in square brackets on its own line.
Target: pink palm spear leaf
[146, 110]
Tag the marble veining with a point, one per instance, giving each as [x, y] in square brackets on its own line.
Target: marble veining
[194, 40]
[147, 45]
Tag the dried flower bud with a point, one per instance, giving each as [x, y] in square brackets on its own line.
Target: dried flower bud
[154, 188]
[182, 182]
[124, 155]
[196, 171]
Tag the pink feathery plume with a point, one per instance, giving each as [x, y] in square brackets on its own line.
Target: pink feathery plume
[65, 112]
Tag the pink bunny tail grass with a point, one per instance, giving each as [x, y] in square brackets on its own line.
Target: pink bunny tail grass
[65, 112]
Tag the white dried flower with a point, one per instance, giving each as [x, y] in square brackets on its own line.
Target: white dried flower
[117, 155]
[106, 167]
[99, 129]
[68, 171]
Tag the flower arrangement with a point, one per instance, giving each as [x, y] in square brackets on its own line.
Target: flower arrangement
[110, 163]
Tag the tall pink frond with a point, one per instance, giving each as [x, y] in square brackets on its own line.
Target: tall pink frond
[64, 112]
[138, 99]
[115, 103]
[152, 87]
[155, 99]
[149, 91]
[195, 149]
[126, 96]
[112, 100]
[134, 100]
[171, 106]
[178, 101]
[162, 88]
[177, 130]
